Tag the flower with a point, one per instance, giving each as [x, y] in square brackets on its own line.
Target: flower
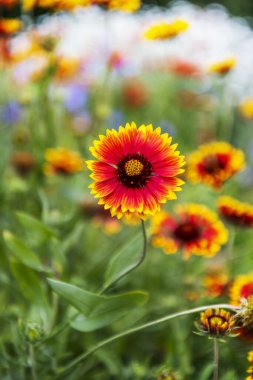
[136, 170]
[242, 287]
[194, 228]
[166, 375]
[124, 5]
[215, 283]
[243, 319]
[223, 67]
[246, 108]
[57, 5]
[214, 163]
[215, 323]
[184, 68]
[23, 162]
[235, 212]
[250, 369]
[9, 26]
[8, 3]
[135, 93]
[62, 161]
[12, 112]
[165, 30]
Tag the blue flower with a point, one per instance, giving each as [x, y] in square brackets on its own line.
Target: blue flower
[76, 98]
[11, 113]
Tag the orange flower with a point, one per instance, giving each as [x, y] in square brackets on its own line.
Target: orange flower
[223, 67]
[9, 26]
[135, 93]
[66, 68]
[184, 68]
[62, 161]
[165, 30]
[136, 170]
[214, 163]
[8, 3]
[194, 228]
[215, 283]
[235, 212]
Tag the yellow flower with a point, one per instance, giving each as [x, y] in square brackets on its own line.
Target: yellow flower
[214, 163]
[62, 161]
[223, 67]
[66, 68]
[246, 108]
[58, 5]
[124, 5]
[9, 26]
[164, 30]
[194, 228]
[235, 212]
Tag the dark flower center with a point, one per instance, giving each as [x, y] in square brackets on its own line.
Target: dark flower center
[134, 170]
[214, 163]
[187, 232]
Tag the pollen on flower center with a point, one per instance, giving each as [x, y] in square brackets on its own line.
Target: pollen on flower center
[133, 167]
[134, 170]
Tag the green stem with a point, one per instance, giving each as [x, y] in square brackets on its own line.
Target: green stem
[215, 358]
[33, 362]
[143, 255]
[82, 357]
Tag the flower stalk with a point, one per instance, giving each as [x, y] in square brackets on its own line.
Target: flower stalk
[155, 322]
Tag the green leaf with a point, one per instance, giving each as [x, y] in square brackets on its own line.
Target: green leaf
[38, 231]
[98, 311]
[22, 253]
[32, 289]
[124, 260]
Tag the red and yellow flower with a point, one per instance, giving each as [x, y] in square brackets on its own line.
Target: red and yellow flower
[214, 163]
[124, 5]
[215, 323]
[165, 30]
[57, 5]
[223, 67]
[62, 161]
[135, 171]
[242, 287]
[215, 283]
[8, 3]
[235, 212]
[194, 228]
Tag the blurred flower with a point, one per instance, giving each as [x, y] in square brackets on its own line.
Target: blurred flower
[62, 161]
[165, 30]
[115, 118]
[76, 98]
[242, 287]
[124, 5]
[23, 162]
[136, 170]
[100, 217]
[216, 323]
[246, 108]
[57, 5]
[191, 99]
[32, 331]
[166, 375]
[184, 68]
[215, 283]
[116, 60]
[9, 26]
[135, 93]
[11, 113]
[250, 369]
[81, 124]
[194, 228]
[66, 67]
[223, 67]
[8, 3]
[214, 163]
[235, 212]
